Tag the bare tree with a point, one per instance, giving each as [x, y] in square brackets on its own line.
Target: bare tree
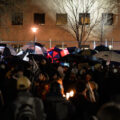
[84, 16]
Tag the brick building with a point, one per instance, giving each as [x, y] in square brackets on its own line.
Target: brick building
[15, 27]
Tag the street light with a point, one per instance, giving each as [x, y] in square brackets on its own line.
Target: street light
[34, 30]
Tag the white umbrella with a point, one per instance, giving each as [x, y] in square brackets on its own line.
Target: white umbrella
[13, 52]
[3, 46]
[39, 49]
[108, 56]
[28, 46]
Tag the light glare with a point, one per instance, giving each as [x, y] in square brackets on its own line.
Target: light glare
[34, 29]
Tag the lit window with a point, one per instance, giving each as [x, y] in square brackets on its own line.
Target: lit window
[61, 19]
[107, 18]
[39, 18]
[84, 18]
[17, 18]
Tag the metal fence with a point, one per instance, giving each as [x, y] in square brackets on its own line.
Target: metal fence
[63, 44]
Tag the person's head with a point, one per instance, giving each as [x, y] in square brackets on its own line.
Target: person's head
[72, 75]
[23, 83]
[55, 75]
[115, 70]
[43, 61]
[82, 71]
[88, 77]
[65, 68]
[2, 66]
[43, 76]
[20, 73]
[109, 111]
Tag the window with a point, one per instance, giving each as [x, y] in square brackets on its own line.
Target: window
[17, 18]
[39, 18]
[107, 18]
[84, 18]
[61, 19]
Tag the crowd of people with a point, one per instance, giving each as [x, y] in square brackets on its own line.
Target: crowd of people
[43, 86]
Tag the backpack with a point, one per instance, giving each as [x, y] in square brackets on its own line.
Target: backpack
[24, 108]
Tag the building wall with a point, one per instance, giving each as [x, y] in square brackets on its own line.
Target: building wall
[23, 33]
[46, 33]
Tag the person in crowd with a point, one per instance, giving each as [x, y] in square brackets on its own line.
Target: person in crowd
[92, 87]
[56, 106]
[61, 71]
[109, 111]
[84, 107]
[75, 69]
[66, 80]
[41, 85]
[9, 86]
[24, 106]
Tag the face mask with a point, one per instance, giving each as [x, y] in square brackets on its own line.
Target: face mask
[115, 71]
[2, 66]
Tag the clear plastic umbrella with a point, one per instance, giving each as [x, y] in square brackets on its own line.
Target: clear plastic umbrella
[108, 56]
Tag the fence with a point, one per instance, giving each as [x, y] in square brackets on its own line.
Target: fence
[63, 44]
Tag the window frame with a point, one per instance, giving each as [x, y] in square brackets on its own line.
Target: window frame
[17, 18]
[84, 16]
[108, 21]
[61, 15]
[40, 18]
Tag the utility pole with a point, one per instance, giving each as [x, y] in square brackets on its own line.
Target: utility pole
[102, 31]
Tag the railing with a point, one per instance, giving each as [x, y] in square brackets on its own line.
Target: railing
[63, 44]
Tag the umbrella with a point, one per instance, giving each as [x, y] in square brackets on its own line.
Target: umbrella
[54, 54]
[88, 52]
[54, 49]
[108, 56]
[64, 52]
[7, 50]
[73, 58]
[71, 49]
[102, 48]
[12, 51]
[36, 48]
[15, 60]
[23, 54]
[69, 58]
[36, 57]
[91, 60]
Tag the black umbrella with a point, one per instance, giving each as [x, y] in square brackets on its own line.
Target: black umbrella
[91, 60]
[102, 48]
[6, 52]
[73, 58]
[88, 52]
[71, 49]
[68, 58]
[16, 61]
[36, 57]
